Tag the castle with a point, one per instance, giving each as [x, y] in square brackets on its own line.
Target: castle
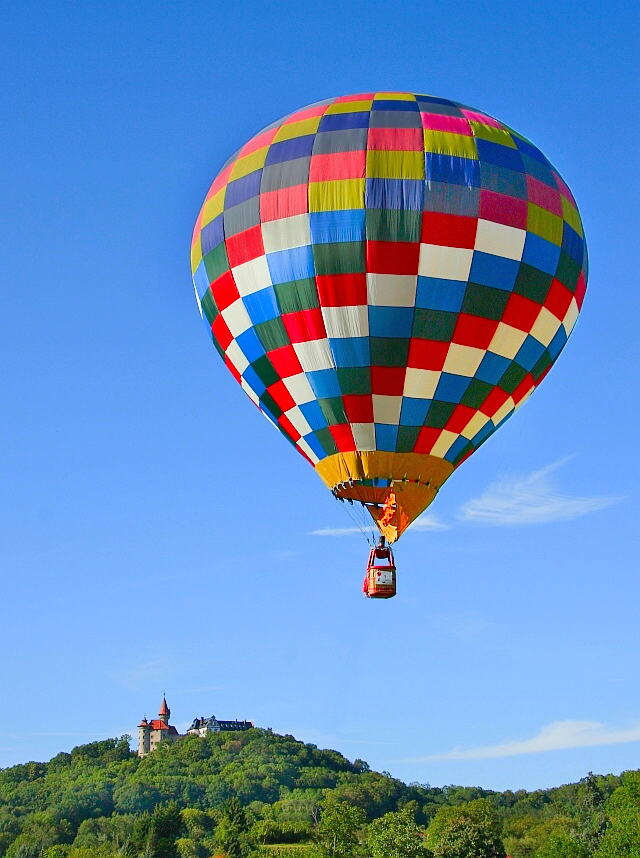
[151, 733]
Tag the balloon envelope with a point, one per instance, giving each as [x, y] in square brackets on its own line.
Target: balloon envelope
[389, 276]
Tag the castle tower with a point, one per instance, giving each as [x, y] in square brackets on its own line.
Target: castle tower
[165, 713]
[144, 737]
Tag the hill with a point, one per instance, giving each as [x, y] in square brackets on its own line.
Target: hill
[256, 792]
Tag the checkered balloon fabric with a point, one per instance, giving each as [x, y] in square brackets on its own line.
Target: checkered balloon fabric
[389, 276]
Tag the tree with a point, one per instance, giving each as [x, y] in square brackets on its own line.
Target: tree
[471, 830]
[165, 828]
[188, 848]
[135, 796]
[396, 835]
[88, 852]
[339, 827]
[115, 831]
[563, 845]
[137, 843]
[40, 831]
[592, 815]
[231, 831]
[622, 837]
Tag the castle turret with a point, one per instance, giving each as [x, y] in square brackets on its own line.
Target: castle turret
[165, 713]
[144, 737]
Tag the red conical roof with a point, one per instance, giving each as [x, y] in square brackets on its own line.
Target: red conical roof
[164, 709]
[143, 723]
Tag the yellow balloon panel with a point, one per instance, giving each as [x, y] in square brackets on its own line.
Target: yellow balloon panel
[413, 478]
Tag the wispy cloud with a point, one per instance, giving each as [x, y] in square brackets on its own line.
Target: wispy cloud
[428, 521]
[532, 499]
[337, 531]
[559, 736]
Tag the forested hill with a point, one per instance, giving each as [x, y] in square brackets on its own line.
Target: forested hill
[258, 793]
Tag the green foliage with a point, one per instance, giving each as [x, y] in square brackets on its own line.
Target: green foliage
[90, 852]
[231, 831]
[255, 794]
[113, 831]
[198, 823]
[135, 797]
[58, 851]
[188, 848]
[622, 836]
[563, 845]
[284, 852]
[40, 830]
[592, 816]
[339, 828]
[105, 752]
[396, 835]
[376, 794]
[139, 837]
[471, 830]
[525, 834]
[269, 831]
[164, 829]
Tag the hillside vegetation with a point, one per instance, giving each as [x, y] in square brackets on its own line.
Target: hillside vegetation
[256, 793]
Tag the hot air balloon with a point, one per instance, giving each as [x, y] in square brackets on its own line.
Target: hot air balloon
[388, 276]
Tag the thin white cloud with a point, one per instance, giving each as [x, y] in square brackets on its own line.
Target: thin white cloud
[337, 531]
[428, 521]
[532, 499]
[559, 736]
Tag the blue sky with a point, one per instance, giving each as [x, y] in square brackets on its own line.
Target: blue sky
[157, 535]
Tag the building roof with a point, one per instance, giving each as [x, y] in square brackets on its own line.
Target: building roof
[213, 724]
[143, 723]
[164, 709]
[157, 724]
[204, 722]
